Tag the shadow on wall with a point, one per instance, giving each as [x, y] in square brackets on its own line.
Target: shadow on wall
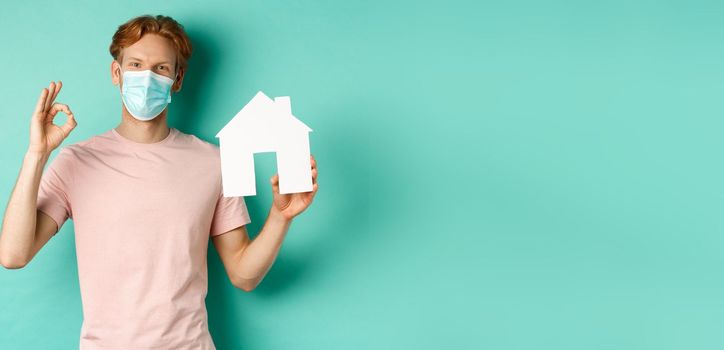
[344, 209]
[343, 196]
[202, 65]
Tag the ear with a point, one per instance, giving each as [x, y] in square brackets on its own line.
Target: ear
[115, 72]
[179, 80]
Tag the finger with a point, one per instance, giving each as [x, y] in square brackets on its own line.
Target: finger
[314, 175]
[58, 107]
[314, 192]
[57, 90]
[49, 99]
[41, 102]
[314, 162]
[69, 125]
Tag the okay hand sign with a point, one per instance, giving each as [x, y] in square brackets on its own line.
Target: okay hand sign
[44, 135]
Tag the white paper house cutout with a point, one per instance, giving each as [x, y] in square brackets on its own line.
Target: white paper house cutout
[265, 125]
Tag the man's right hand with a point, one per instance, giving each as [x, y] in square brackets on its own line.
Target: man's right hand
[44, 135]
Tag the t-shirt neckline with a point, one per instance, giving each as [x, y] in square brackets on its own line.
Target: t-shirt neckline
[172, 132]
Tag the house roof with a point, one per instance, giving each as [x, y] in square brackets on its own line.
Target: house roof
[262, 111]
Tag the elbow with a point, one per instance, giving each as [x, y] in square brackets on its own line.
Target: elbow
[246, 285]
[12, 263]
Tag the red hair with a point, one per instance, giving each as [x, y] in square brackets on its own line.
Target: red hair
[130, 32]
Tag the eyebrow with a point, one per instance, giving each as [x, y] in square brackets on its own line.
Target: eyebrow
[138, 59]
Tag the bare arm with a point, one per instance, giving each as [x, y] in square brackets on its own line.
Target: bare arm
[247, 262]
[25, 229]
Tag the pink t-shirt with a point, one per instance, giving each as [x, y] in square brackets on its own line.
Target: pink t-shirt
[143, 215]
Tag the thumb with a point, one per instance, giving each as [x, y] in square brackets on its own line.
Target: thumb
[274, 180]
[69, 125]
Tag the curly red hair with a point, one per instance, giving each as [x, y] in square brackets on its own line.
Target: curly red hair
[130, 32]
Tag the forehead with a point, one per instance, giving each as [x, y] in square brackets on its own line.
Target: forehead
[151, 48]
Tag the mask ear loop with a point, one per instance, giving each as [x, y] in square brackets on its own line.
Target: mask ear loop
[175, 80]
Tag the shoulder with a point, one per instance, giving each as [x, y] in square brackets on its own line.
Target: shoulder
[69, 154]
[202, 153]
[196, 144]
[77, 151]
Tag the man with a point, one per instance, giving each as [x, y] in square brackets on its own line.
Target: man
[144, 199]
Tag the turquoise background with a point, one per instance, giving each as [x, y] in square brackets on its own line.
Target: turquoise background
[493, 175]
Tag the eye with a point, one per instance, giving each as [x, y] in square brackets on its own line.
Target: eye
[135, 64]
[162, 67]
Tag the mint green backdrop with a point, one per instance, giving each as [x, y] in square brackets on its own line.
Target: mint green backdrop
[493, 175]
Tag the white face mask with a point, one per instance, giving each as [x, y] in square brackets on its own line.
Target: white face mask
[145, 93]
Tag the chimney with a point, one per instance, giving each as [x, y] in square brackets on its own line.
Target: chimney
[284, 104]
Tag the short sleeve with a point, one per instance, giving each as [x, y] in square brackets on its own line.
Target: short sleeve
[53, 191]
[229, 214]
